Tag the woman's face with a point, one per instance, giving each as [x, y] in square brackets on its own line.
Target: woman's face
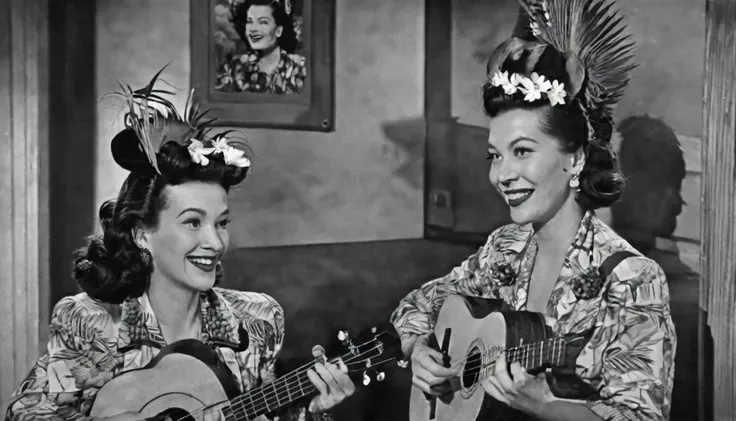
[261, 28]
[191, 237]
[529, 167]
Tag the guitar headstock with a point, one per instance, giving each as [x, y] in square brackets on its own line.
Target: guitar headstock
[366, 354]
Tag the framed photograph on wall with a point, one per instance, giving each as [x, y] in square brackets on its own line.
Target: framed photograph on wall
[265, 63]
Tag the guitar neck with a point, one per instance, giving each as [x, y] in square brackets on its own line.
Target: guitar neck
[550, 352]
[271, 397]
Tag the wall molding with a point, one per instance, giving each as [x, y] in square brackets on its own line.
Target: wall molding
[23, 188]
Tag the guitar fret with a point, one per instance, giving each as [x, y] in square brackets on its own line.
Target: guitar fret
[252, 405]
[541, 353]
[275, 393]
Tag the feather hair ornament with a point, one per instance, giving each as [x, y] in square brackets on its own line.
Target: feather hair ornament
[153, 120]
[593, 33]
[590, 36]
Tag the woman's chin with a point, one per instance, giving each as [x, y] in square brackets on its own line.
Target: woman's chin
[201, 283]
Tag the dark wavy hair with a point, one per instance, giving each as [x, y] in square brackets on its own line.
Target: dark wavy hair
[601, 182]
[111, 267]
[287, 41]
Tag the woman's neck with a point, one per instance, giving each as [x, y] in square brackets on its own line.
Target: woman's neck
[561, 229]
[176, 309]
[270, 59]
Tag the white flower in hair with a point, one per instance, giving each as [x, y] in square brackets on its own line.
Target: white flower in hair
[542, 84]
[199, 153]
[234, 156]
[530, 90]
[557, 93]
[508, 84]
[220, 145]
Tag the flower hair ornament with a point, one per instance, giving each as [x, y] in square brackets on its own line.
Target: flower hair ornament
[590, 37]
[152, 121]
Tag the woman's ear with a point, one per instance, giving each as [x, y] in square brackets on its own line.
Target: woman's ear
[279, 31]
[140, 236]
[578, 161]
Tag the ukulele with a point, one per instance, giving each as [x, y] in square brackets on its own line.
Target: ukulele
[186, 381]
[473, 332]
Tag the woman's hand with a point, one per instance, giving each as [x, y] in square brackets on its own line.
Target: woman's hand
[429, 373]
[524, 392]
[331, 380]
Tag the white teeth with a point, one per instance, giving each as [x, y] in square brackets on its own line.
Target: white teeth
[201, 261]
[514, 196]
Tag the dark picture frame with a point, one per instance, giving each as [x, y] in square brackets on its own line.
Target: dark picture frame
[312, 109]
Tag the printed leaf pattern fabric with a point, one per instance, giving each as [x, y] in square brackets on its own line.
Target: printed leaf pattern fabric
[630, 356]
[243, 74]
[91, 343]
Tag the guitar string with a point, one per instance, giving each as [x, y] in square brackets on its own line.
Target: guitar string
[237, 413]
[264, 400]
[304, 368]
[525, 352]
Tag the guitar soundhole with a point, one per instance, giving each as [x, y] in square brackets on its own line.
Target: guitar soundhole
[471, 371]
[173, 414]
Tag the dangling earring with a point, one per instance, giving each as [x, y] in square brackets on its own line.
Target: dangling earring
[146, 257]
[575, 182]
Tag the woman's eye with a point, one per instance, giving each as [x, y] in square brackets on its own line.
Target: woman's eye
[194, 223]
[521, 151]
[223, 223]
[491, 156]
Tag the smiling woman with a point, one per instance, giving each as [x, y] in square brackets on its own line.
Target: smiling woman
[269, 62]
[550, 96]
[149, 278]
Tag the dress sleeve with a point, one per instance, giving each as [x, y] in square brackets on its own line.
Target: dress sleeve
[417, 313]
[63, 384]
[637, 342]
[272, 314]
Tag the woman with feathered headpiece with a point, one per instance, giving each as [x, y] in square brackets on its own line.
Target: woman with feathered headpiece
[149, 279]
[550, 97]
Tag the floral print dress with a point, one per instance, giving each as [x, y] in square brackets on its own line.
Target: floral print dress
[90, 343]
[243, 74]
[630, 356]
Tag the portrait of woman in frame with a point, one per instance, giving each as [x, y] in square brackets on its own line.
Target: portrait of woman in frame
[265, 63]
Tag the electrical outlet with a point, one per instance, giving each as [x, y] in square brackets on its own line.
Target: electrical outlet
[440, 211]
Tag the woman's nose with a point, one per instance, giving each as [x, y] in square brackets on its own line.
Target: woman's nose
[211, 240]
[505, 173]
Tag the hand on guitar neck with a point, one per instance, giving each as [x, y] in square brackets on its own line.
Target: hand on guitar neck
[520, 390]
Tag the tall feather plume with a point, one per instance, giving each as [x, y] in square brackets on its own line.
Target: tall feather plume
[594, 33]
[155, 120]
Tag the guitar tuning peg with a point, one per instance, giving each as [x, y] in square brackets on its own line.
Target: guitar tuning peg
[367, 363]
[380, 376]
[342, 335]
[366, 379]
[374, 330]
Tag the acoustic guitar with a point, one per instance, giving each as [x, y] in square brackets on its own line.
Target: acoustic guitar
[473, 332]
[187, 382]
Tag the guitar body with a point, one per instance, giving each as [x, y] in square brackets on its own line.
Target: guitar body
[188, 382]
[479, 329]
[185, 377]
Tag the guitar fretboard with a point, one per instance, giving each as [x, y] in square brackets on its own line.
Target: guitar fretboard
[270, 397]
[530, 356]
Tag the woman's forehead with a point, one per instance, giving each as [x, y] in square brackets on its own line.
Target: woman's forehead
[510, 126]
[208, 197]
[258, 11]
